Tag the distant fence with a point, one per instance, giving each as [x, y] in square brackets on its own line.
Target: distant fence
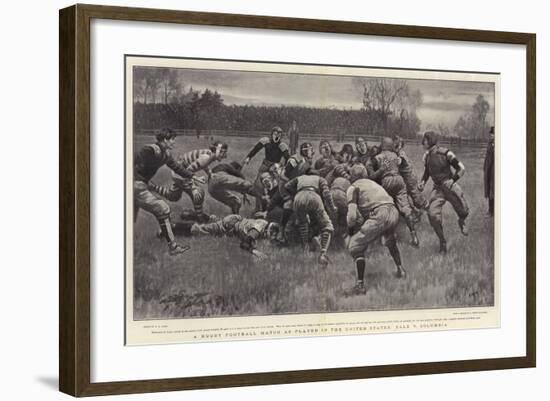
[456, 141]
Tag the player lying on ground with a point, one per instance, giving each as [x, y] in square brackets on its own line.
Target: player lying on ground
[439, 163]
[309, 192]
[227, 182]
[371, 214]
[146, 164]
[248, 231]
[193, 162]
[385, 169]
[275, 150]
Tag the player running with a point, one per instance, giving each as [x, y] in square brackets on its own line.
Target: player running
[275, 151]
[439, 163]
[371, 214]
[146, 164]
[226, 181]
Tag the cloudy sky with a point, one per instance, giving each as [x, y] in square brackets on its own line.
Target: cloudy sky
[443, 101]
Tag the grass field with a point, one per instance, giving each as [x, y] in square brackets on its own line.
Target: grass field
[216, 278]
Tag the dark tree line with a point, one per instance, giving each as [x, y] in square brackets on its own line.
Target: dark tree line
[206, 110]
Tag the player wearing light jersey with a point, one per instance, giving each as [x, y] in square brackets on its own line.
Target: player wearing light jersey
[193, 161]
[371, 214]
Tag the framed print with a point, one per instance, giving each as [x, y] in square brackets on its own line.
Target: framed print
[314, 200]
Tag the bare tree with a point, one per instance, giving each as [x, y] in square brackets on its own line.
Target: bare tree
[380, 95]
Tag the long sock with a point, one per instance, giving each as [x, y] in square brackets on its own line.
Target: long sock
[287, 213]
[438, 228]
[325, 241]
[161, 190]
[410, 223]
[394, 252]
[166, 229]
[304, 233]
[360, 267]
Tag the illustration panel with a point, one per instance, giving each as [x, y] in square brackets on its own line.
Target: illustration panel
[269, 200]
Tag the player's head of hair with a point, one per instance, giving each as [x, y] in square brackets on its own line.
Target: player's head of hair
[361, 145]
[165, 133]
[358, 172]
[325, 148]
[374, 151]
[341, 170]
[430, 138]
[306, 150]
[347, 148]
[219, 149]
[387, 143]
[236, 165]
[268, 181]
[398, 142]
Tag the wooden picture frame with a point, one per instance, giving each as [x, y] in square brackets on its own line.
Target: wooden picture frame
[75, 208]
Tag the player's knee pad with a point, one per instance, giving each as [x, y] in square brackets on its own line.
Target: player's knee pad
[161, 209]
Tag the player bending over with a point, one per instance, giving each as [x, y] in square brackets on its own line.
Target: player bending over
[309, 193]
[371, 214]
[193, 162]
[386, 167]
[226, 182]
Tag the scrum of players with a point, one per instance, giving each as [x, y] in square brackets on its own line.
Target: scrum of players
[353, 198]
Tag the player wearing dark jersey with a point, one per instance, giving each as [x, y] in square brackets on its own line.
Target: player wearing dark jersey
[439, 163]
[146, 164]
[275, 150]
[345, 155]
[489, 172]
[226, 181]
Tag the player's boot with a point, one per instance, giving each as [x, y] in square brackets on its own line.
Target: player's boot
[281, 239]
[175, 249]
[463, 226]
[400, 272]
[414, 239]
[202, 217]
[358, 289]
[443, 247]
[323, 260]
[315, 243]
